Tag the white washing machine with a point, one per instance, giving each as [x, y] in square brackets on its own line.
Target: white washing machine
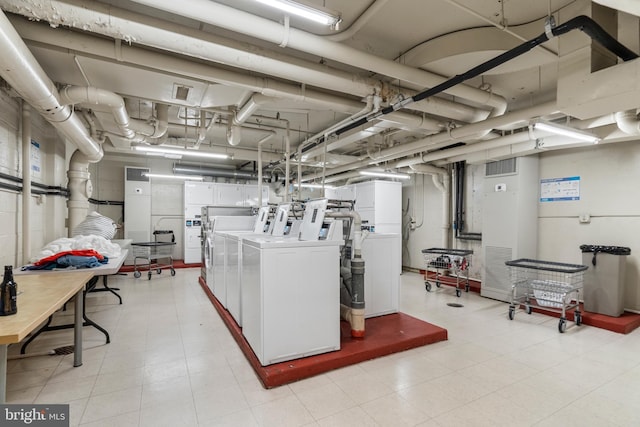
[216, 250]
[290, 297]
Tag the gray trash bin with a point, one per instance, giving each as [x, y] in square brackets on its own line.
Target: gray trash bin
[603, 291]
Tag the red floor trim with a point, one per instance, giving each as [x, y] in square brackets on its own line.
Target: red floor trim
[384, 335]
[624, 324]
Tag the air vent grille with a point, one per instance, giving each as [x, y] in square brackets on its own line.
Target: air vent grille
[501, 167]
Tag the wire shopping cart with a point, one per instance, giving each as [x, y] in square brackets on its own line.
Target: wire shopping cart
[547, 285]
[454, 260]
[160, 249]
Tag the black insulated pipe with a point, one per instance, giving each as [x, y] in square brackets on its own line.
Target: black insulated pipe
[582, 23]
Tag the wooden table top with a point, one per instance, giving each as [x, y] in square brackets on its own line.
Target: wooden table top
[40, 295]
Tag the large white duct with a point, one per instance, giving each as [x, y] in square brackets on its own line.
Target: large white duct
[70, 95]
[264, 29]
[21, 70]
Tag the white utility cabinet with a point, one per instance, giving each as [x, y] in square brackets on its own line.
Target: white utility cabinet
[137, 206]
[509, 221]
[381, 254]
[290, 297]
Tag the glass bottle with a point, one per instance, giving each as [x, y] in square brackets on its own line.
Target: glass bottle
[8, 293]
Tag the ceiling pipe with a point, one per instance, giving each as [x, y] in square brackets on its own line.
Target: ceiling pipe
[155, 127]
[26, 183]
[628, 122]
[442, 181]
[268, 87]
[71, 95]
[244, 23]
[262, 141]
[23, 73]
[440, 140]
[213, 172]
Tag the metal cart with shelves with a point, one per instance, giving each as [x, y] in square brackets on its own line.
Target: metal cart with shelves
[152, 252]
[547, 285]
[454, 260]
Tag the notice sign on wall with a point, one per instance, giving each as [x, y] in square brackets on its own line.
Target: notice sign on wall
[36, 160]
[560, 189]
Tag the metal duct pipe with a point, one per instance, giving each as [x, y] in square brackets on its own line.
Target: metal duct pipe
[214, 172]
[21, 70]
[26, 183]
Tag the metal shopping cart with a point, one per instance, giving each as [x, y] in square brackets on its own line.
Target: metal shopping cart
[160, 249]
[547, 285]
[441, 259]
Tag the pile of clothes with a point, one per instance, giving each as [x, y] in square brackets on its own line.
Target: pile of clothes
[76, 252]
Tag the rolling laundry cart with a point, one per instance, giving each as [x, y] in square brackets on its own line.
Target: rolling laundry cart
[454, 260]
[160, 249]
[547, 285]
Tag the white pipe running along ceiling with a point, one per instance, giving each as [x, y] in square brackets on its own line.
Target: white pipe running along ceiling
[269, 87]
[132, 27]
[264, 29]
[21, 70]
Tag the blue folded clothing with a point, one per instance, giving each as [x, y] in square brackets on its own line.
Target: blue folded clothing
[69, 262]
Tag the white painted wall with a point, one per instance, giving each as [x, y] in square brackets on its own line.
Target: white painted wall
[609, 181]
[48, 213]
[422, 201]
[609, 193]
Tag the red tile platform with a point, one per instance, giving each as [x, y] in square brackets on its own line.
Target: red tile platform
[384, 335]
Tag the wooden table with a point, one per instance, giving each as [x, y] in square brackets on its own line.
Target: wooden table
[40, 295]
[104, 270]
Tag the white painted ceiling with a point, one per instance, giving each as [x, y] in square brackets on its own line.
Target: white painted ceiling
[445, 37]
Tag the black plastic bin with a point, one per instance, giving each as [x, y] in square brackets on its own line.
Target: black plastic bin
[604, 280]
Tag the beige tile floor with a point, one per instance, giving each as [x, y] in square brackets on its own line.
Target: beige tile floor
[172, 362]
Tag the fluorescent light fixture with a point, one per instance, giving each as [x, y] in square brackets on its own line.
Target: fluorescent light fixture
[385, 174]
[179, 152]
[310, 185]
[304, 11]
[167, 176]
[566, 131]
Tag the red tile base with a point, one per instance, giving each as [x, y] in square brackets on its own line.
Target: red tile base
[624, 324]
[384, 335]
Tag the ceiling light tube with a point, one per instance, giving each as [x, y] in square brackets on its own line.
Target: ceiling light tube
[566, 131]
[385, 174]
[304, 11]
[167, 176]
[309, 185]
[179, 152]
